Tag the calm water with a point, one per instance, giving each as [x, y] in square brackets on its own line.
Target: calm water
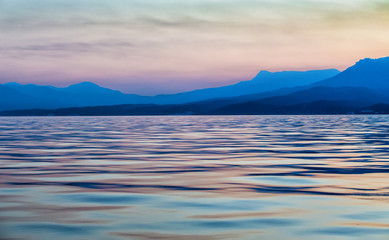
[185, 177]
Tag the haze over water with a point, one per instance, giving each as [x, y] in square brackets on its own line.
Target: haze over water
[194, 177]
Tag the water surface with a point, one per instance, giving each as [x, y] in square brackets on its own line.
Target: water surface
[194, 177]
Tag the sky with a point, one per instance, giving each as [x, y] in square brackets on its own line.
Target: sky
[153, 47]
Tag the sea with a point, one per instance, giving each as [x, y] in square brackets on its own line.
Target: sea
[194, 177]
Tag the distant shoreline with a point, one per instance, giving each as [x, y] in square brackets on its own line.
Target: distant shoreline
[187, 115]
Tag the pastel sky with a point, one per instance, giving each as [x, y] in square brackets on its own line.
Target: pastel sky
[167, 46]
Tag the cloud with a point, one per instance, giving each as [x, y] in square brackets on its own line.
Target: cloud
[74, 46]
[66, 49]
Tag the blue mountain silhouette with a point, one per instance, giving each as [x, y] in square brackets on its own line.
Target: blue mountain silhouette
[369, 73]
[362, 85]
[20, 96]
[264, 81]
[90, 94]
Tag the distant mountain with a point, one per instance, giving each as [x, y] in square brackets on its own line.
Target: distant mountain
[369, 73]
[91, 94]
[17, 96]
[364, 84]
[317, 100]
[264, 82]
[11, 98]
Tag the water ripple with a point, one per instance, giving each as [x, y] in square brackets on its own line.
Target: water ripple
[194, 177]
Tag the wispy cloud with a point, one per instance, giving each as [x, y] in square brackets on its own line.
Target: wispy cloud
[69, 48]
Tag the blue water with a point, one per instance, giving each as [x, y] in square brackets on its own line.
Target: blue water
[194, 177]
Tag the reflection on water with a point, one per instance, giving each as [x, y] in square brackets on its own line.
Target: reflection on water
[194, 177]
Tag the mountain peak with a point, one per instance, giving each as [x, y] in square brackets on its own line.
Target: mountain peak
[12, 84]
[325, 73]
[263, 72]
[367, 72]
[373, 60]
[84, 84]
[371, 64]
[89, 88]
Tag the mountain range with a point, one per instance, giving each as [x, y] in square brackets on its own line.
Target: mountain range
[17, 96]
[312, 92]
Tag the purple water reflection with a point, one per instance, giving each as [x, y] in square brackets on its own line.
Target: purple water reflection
[194, 177]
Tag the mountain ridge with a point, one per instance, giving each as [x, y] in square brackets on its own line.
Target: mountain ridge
[367, 72]
[90, 94]
[334, 100]
[363, 84]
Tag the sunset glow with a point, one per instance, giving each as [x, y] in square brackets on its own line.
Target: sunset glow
[166, 46]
